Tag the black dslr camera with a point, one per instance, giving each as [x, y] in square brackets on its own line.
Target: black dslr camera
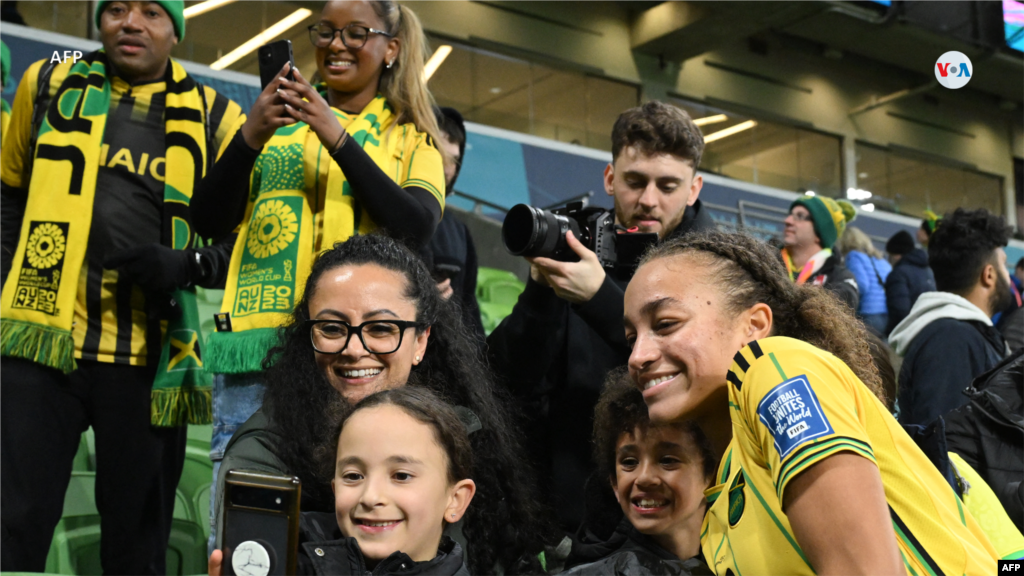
[530, 231]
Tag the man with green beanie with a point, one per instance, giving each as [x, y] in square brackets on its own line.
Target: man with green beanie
[813, 226]
[5, 71]
[99, 264]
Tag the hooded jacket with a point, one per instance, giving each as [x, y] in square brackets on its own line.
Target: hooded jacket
[945, 342]
[323, 550]
[988, 433]
[629, 553]
[554, 356]
[910, 278]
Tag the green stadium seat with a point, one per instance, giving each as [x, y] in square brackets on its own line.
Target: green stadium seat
[497, 292]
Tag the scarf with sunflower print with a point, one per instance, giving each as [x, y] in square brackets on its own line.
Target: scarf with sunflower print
[38, 299]
[299, 202]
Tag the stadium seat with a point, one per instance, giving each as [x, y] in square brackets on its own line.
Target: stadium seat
[496, 292]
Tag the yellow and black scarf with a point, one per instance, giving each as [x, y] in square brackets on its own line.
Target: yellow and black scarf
[275, 249]
[38, 300]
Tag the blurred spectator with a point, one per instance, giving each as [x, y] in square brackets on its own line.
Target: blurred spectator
[451, 254]
[1018, 275]
[927, 228]
[910, 277]
[109, 261]
[988, 432]
[948, 337]
[1010, 322]
[5, 72]
[814, 225]
[870, 271]
[657, 475]
[565, 332]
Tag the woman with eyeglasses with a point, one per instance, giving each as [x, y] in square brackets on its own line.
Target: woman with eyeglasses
[372, 319]
[311, 166]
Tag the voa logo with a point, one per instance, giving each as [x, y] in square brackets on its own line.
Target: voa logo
[953, 69]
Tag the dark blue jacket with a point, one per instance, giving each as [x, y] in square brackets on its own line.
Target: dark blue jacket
[910, 278]
[870, 274]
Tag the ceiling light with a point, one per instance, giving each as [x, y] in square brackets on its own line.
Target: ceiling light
[262, 38]
[710, 119]
[867, 207]
[858, 194]
[436, 60]
[204, 7]
[730, 131]
[810, 193]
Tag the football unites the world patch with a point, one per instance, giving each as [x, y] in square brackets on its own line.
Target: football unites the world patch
[793, 415]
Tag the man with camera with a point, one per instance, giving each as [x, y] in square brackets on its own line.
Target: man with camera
[565, 333]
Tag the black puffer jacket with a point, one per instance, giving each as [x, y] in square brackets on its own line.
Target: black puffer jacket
[910, 278]
[836, 277]
[629, 553]
[988, 433]
[324, 550]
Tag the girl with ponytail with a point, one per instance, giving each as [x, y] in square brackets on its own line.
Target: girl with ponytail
[312, 166]
[816, 477]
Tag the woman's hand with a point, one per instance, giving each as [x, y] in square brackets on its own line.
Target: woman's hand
[307, 105]
[267, 113]
[214, 563]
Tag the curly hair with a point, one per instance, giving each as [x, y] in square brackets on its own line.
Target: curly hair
[621, 410]
[963, 243]
[423, 405]
[748, 272]
[657, 128]
[507, 525]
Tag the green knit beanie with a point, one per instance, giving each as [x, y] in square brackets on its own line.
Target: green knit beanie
[5, 63]
[829, 216]
[175, 9]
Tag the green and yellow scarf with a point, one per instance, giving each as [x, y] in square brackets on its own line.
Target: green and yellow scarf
[38, 301]
[276, 245]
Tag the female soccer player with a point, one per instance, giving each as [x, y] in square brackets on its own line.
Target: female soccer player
[816, 477]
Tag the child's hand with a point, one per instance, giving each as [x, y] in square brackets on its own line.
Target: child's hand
[213, 565]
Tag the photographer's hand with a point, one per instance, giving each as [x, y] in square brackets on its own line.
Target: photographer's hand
[575, 282]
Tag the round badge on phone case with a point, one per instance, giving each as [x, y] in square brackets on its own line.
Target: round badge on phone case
[250, 559]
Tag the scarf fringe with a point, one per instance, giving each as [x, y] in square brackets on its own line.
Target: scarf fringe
[178, 406]
[44, 345]
[238, 352]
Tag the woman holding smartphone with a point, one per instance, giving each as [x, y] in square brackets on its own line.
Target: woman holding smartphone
[312, 166]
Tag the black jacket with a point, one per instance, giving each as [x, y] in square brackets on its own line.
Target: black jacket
[324, 550]
[451, 253]
[910, 278]
[629, 553]
[940, 362]
[988, 433]
[554, 356]
[834, 276]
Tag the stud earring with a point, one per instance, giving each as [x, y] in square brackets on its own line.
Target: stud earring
[390, 64]
[417, 358]
[453, 515]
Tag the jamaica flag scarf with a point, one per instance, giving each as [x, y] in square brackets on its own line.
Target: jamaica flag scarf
[38, 300]
[275, 249]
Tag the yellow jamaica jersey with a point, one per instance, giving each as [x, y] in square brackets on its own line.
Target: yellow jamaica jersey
[793, 405]
[113, 323]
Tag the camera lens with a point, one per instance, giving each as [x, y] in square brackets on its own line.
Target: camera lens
[529, 231]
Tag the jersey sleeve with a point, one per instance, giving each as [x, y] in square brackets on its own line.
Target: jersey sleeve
[422, 167]
[801, 407]
[14, 160]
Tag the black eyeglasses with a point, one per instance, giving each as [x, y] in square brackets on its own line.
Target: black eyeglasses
[353, 36]
[377, 336]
